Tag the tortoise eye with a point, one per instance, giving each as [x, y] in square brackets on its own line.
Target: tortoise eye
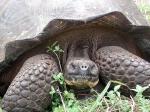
[73, 66]
[92, 67]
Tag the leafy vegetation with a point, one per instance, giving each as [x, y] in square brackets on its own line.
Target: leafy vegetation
[106, 101]
[145, 9]
[55, 48]
[64, 100]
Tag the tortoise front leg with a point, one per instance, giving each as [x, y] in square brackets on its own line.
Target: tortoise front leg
[29, 91]
[116, 63]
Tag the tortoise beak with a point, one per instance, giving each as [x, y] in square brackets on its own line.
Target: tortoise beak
[81, 73]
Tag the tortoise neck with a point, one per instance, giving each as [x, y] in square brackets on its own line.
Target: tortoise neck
[83, 48]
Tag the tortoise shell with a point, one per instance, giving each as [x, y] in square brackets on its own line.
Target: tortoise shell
[17, 35]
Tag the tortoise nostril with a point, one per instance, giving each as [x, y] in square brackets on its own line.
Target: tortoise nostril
[81, 68]
[84, 67]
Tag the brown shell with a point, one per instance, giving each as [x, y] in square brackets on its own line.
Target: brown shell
[14, 49]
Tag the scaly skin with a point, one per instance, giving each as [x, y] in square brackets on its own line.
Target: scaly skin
[116, 63]
[29, 91]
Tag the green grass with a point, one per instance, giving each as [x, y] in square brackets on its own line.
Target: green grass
[145, 9]
[106, 101]
[64, 100]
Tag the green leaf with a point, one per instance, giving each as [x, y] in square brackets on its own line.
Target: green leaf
[111, 94]
[140, 89]
[116, 88]
[60, 50]
[100, 96]
[70, 103]
[57, 48]
[69, 95]
[52, 91]
[54, 44]
[73, 109]
[58, 109]
[118, 94]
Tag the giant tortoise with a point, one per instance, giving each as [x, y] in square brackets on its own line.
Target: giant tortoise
[96, 50]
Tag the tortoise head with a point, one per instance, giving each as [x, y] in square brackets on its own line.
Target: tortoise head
[80, 71]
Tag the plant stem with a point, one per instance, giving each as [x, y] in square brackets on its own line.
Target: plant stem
[100, 96]
[133, 104]
[58, 61]
[62, 100]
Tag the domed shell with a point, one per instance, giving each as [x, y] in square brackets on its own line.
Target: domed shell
[22, 21]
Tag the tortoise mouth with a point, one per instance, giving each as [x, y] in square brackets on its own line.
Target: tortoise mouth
[81, 73]
[81, 81]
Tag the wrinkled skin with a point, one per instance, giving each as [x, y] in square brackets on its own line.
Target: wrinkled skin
[91, 55]
[80, 71]
[29, 90]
